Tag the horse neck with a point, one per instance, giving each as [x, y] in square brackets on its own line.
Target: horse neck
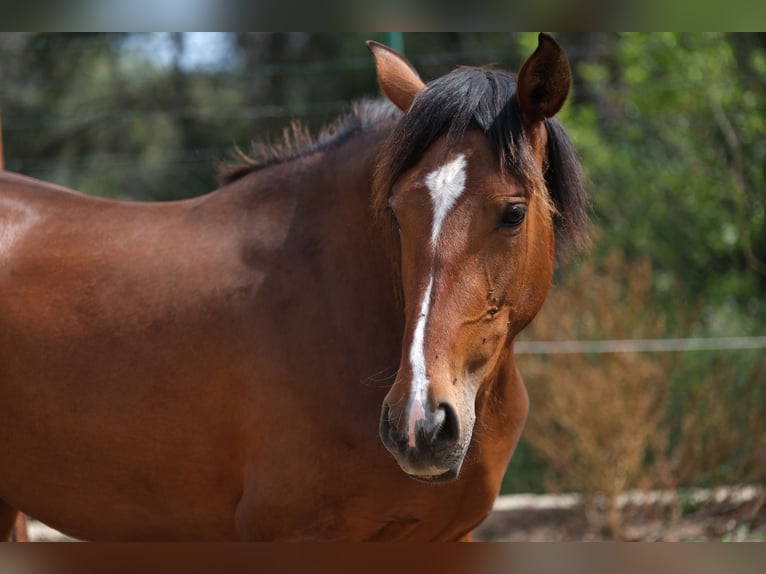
[347, 173]
[330, 232]
[325, 188]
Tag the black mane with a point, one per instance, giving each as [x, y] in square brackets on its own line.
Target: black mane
[297, 142]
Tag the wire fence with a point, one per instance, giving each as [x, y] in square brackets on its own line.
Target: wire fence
[640, 345]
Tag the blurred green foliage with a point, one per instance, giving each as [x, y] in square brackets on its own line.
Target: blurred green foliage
[671, 134]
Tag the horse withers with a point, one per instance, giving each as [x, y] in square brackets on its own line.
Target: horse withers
[322, 348]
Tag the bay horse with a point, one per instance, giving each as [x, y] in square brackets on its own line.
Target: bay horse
[320, 349]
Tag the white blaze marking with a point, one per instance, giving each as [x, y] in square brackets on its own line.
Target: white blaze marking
[418, 362]
[445, 185]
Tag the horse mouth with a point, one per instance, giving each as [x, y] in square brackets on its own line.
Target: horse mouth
[445, 477]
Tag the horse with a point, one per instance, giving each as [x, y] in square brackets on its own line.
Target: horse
[319, 349]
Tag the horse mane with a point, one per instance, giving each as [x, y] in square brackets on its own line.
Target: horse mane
[484, 98]
[564, 181]
[297, 142]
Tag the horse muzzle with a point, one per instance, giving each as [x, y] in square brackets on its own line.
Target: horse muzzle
[429, 444]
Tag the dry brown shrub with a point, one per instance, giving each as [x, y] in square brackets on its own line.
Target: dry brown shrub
[594, 417]
[604, 423]
[723, 427]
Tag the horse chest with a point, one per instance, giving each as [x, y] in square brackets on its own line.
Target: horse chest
[361, 495]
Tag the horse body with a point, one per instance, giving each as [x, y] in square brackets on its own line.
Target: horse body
[212, 368]
[88, 313]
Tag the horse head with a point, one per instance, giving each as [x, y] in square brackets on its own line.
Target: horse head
[463, 180]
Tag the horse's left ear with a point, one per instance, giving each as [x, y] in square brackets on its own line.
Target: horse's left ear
[543, 82]
[396, 76]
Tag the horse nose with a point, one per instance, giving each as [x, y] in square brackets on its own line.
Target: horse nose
[430, 434]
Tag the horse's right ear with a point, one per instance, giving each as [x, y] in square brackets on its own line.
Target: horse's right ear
[396, 76]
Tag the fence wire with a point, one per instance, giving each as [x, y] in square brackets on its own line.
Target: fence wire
[639, 345]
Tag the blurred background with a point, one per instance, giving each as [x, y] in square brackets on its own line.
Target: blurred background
[647, 365]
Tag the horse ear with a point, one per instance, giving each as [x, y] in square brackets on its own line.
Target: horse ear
[397, 78]
[544, 80]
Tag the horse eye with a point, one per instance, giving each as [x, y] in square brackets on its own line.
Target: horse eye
[513, 215]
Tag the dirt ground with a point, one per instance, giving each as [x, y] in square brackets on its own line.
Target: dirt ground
[727, 514]
[723, 515]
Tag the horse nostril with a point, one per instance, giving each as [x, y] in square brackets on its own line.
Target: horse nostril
[389, 430]
[447, 430]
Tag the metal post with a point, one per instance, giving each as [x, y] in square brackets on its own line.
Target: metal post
[396, 41]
